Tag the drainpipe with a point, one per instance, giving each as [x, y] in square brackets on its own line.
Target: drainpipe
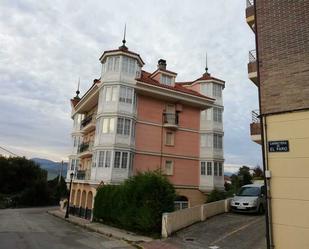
[161, 149]
[269, 234]
[267, 184]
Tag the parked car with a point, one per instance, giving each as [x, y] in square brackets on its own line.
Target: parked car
[250, 198]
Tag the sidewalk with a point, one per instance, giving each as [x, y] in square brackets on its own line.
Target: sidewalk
[103, 229]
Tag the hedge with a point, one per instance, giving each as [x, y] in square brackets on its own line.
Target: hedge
[137, 204]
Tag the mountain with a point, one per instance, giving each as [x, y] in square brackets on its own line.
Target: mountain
[52, 168]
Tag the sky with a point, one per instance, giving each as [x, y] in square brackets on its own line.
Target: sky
[47, 45]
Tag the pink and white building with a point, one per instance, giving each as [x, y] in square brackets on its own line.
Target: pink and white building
[132, 121]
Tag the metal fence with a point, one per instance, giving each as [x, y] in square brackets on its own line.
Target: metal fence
[250, 3]
[81, 212]
[255, 116]
[252, 55]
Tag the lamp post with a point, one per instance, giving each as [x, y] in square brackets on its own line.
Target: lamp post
[69, 194]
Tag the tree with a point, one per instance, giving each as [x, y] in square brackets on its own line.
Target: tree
[257, 172]
[244, 175]
[24, 183]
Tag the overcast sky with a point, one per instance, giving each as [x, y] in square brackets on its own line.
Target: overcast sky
[47, 45]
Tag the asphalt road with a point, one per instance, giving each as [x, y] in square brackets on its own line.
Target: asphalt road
[226, 231]
[33, 228]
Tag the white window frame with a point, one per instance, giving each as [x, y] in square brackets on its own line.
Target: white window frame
[209, 169]
[126, 94]
[101, 158]
[124, 126]
[220, 168]
[217, 90]
[128, 65]
[203, 168]
[108, 125]
[166, 80]
[171, 135]
[108, 157]
[217, 141]
[216, 169]
[217, 114]
[169, 171]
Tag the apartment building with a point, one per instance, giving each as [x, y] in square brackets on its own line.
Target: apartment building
[279, 67]
[132, 121]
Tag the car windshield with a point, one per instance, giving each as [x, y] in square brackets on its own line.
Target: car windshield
[249, 191]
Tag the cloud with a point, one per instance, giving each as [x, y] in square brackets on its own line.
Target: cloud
[47, 45]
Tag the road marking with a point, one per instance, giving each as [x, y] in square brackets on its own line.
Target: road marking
[235, 231]
[214, 247]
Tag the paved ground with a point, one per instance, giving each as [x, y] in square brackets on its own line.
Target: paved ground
[226, 231]
[35, 229]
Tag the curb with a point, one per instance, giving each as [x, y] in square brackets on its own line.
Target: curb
[94, 229]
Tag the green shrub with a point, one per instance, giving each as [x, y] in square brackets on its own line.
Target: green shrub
[216, 195]
[137, 204]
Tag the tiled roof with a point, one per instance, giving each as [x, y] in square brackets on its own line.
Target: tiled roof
[145, 78]
[121, 49]
[163, 70]
[206, 76]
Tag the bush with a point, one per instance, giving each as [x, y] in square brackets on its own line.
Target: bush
[216, 195]
[137, 204]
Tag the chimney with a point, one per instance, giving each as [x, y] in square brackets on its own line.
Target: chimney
[162, 64]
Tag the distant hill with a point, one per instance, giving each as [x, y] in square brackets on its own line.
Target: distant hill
[52, 168]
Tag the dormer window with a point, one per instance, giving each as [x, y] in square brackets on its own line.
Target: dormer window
[166, 80]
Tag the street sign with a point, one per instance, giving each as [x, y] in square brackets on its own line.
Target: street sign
[278, 146]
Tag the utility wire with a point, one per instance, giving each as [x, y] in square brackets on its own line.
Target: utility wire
[8, 151]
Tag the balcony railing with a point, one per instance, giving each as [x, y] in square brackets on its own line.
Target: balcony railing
[255, 116]
[83, 147]
[252, 56]
[85, 121]
[80, 174]
[170, 118]
[250, 3]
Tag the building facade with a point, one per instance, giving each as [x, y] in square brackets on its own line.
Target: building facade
[133, 121]
[280, 69]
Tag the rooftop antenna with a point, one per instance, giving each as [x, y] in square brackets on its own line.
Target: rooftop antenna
[77, 91]
[124, 38]
[206, 68]
[124, 34]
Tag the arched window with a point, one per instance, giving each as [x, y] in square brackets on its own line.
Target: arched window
[181, 202]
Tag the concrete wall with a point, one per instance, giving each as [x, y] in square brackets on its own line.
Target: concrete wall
[289, 183]
[172, 222]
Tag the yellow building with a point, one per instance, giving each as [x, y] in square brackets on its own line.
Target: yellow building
[279, 67]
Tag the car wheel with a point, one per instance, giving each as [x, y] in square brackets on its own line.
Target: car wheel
[261, 209]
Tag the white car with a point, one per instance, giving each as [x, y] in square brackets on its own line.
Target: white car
[250, 198]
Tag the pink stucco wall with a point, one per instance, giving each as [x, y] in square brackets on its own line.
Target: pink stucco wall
[150, 139]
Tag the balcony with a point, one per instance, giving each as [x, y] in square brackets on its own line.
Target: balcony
[88, 124]
[250, 14]
[170, 120]
[252, 67]
[255, 127]
[84, 150]
[82, 175]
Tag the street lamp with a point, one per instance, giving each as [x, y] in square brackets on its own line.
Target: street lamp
[69, 194]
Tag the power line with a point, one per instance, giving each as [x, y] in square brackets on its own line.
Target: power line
[10, 152]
